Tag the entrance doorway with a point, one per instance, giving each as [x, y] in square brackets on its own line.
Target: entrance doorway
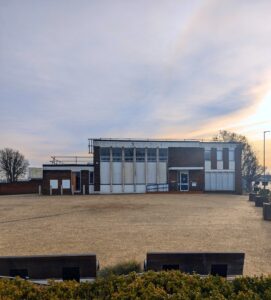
[184, 182]
[76, 181]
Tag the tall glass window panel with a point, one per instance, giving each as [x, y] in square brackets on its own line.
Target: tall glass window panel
[116, 153]
[151, 154]
[207, 155]
[219, 155]
[231, 155]
[140, 154]
[105, 154]
[129, 154]
[163, 153]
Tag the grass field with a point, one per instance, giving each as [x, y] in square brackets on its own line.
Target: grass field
[122, 227]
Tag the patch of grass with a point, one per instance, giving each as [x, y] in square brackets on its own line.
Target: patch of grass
[121, 269]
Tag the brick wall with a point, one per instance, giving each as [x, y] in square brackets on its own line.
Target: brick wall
[56, 175]
[21, 187]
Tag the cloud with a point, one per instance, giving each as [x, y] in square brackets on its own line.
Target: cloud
[70, 70]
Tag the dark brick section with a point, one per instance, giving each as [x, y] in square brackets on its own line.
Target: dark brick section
[225, 158]
[185, 157]
[238, 170]
[200, 263]
[198, 177]
[213, 158]
[49, 267]
[58, 175]
[97, 179]
[21, 187]
[85, 181]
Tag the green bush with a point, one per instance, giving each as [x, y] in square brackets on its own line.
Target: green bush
[120, 269]
[264, 192]
[150, 286]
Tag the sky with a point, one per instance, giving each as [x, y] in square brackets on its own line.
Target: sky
[73, 70]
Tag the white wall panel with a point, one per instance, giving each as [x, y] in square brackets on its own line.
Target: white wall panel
[232, 165]
[105, 189]
[162, 172]
[105, 172]
[151, 172]
[129, 188]
[128, 171]
[117, 188]
[220, 165]
[140, 188]
[91, 188]
[117, 173]
[140, 173]
[219, 181]
[207, 165]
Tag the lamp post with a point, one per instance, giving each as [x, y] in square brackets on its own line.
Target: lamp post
[266, 131]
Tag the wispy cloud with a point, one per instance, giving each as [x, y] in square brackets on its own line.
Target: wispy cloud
[73, 70]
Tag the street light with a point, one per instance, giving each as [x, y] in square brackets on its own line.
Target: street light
[266, 131]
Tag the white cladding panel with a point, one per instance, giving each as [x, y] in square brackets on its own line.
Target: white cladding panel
[91, 188]
[128, 173]
[151, 172]
[140, 173]
[117, 189]
[117, 172]
[140, 188]
[162, 172]
[219, 181]
[105, 189]
[220, 165]
[207, 165]
[232, 165]
[105, 172]
[128, 188]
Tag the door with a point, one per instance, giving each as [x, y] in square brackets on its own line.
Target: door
[184, 183]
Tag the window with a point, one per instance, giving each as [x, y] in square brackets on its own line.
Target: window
[54, 183]
[219, 155]
[207, 155]
[23, 273]
[91, 178]
[140, 154]
[71, 273]
[66, 183]
[129, 154]
[151, 154]
[163, 154]
[231, 155]
[105, 154]
[117, 154]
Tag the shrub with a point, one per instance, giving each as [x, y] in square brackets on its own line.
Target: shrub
[120, 269]
[264, 192]
[149, 286]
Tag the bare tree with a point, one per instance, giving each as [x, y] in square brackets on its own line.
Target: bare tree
[251, 169]
[12, 164]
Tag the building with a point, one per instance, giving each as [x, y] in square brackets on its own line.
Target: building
[139, 166]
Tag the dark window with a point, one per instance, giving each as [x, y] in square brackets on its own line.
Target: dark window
[105, 154]
[170, 267]
[151, 154]
[129, 154]
[77, 181]
[207, 154]
[219, 270]
[91, 178]
[163, 154]
[23, 273]
[140, 154]
[117, 154]
[71, 274]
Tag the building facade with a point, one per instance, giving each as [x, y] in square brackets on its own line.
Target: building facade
[139, 166]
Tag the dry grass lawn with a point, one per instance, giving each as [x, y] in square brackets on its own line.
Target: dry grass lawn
[122, 227]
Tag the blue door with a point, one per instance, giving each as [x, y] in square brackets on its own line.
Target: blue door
[184, 183]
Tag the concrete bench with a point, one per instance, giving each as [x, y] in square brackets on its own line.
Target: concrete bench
[59, 267]
[222, 264]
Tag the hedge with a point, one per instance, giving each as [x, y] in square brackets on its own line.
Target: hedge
[150, 285]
